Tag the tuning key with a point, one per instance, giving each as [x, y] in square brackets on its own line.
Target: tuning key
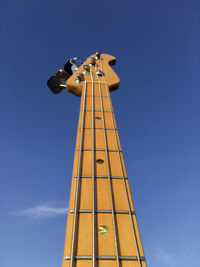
[72, 65]
[68, 67]
[93, 61]
[63, 75]
[73, 61]
[99, 73]
[98, 55]
[87, 68]
[80, 77]
[55, 84]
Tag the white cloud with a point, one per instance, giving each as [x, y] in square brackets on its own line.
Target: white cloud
[164, 256]
[40, 212]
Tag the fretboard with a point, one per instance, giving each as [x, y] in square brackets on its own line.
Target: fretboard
[102, 228]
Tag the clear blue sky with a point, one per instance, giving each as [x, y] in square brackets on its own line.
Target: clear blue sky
[157, 45]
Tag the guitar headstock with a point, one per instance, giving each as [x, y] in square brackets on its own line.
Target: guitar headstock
[97, 64]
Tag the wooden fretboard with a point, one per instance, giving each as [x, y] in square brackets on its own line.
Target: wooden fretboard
[102, 228]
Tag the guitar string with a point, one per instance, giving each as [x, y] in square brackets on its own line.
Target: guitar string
[93, 180]
[109, 177]
[77, 194]
[122, 169]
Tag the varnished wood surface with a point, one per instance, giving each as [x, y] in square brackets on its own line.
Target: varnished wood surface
[105, 244]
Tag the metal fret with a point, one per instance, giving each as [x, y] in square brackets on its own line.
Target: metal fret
[97, 110]
[77, 196]
[130, 214]
[110, 183]
[103, 211]
[99, 149]
[100, 128]
[99, 95]
[104, 257]
[96, 82]
[100, 176]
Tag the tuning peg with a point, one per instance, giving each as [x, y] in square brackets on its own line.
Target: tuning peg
[55, 84]
[68, 67]
[87, 68]
[99, 73]
[98, 55]
[93, 61]
[80, 77]
[62, 75]
[72, 65]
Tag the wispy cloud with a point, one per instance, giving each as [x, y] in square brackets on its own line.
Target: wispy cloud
[164, 256]
[40, 212]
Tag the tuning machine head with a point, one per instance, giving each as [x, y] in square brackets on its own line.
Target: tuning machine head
[98, 55]
[57, 82]
[62, 75]
[93, 61]
[72, 65]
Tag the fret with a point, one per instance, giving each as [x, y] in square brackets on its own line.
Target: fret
[99, 140]
[101, 169]
[97, 105]
[100, 128]
[125, 186]
[96, 91]
[97, 82]
[99, 149]
[101, 96]
[100, 177]
[98, 120]
[103, 211]
[98, 110]
[105, 257]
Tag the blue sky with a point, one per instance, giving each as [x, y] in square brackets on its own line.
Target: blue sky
[157, 111]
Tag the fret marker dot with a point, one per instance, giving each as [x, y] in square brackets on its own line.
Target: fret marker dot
[103, 230]
[100, 161]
